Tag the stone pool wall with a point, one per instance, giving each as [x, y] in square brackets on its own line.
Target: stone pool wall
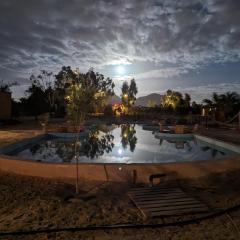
[116, 172]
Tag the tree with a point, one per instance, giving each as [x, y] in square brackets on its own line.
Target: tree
[35, 103]
[85, 93]
[40, 95]
[63, 80]
[171, 99]
[196, 108]
[94, 86]
[76, 105]
[45, 82]
[128, 95]
[5, 87]
[65, 77]
[187, 100]
[152, 104]
[224, 105]
[174, 100]
[231, 103]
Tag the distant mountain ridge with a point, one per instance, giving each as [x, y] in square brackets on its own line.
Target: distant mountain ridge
[114, 99]
[144, 101]
[141, 101]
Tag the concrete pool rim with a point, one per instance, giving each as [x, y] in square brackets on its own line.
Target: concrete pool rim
[117, 171]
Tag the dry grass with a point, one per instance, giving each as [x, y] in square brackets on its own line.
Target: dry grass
[34, 203]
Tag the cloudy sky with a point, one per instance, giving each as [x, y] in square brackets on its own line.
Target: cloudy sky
[185, 45]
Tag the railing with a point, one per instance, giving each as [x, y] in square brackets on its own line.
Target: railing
[227, 123]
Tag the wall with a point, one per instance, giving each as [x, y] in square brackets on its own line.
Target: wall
[5, 105]
[116, 172]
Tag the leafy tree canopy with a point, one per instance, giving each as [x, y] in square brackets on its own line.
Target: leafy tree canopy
[129, 93]
[174, 99]
[5, 87]
[85, 92]
[226, 105]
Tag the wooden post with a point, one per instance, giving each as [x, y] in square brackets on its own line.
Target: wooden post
[134, 176]
[105, 169]
[239, 120]
[77, 188]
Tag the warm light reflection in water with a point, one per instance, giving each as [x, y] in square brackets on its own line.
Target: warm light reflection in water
[126, 143]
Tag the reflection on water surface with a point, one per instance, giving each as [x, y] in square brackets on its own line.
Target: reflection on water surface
[127, 143]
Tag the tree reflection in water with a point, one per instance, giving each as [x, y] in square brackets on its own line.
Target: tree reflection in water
[128, 135]
[94, 145]
[97, 144]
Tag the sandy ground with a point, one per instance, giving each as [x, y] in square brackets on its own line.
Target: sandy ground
[30, 203]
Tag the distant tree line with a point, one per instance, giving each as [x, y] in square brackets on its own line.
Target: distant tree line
[221, 106]
[5, 87]
[76, 95]
[57, 94]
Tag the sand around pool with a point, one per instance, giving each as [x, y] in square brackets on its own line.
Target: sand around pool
[31, 203]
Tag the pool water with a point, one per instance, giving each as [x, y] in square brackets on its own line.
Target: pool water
[126, 143]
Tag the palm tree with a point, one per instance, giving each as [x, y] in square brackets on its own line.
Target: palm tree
[231, 103]
[226, 105]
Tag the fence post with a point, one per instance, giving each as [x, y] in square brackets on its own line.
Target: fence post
[239, 120]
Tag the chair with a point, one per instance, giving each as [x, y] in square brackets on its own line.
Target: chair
[179, 129]
[161, 127]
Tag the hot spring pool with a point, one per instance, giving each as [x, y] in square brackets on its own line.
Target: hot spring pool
[127, 143]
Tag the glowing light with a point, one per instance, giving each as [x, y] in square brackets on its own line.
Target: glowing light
[119, 151]
[120, 70]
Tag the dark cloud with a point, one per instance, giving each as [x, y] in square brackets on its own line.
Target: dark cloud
[174, 36]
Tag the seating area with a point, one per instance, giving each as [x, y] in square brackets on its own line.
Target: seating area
[178, 129]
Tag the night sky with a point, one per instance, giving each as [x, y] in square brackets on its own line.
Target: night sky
[186, 45]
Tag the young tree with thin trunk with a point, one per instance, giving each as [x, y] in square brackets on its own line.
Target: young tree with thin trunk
[84, 94]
